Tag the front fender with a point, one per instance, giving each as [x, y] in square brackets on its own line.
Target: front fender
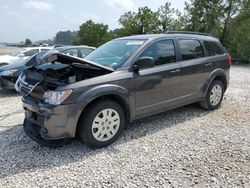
[100, 91]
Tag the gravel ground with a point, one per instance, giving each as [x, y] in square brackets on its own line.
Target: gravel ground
[186, 147]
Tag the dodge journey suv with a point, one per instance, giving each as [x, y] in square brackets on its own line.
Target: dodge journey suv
[121, 81]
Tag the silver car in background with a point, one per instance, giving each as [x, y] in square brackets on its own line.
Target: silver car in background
[21, 55]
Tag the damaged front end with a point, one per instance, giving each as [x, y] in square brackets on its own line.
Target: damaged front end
[48, 120]
[48, 71]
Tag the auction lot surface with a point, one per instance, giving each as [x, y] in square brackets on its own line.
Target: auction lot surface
[181, 148]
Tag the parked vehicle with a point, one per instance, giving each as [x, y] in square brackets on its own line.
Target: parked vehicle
[20, 56]
[10, 73]
[123, 80]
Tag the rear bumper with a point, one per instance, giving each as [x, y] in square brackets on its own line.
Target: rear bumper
[52, 122]
[6, 84]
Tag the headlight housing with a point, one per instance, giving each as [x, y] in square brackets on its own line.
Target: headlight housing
[9, 72]
[56, 97]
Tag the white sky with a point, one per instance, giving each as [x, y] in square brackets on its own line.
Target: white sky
[42, 19]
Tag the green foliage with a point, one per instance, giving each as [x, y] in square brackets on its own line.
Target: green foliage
[92, 34]
[28, 42]
[228, 20]
[146, 21]
[238, 39]
[169, 19]
[203, 16]
[65, 37]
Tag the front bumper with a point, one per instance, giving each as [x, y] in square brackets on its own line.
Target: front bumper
[6, 84]
[52, 122]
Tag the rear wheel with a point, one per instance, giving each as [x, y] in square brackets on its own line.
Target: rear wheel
[214, 96]
[101, 124]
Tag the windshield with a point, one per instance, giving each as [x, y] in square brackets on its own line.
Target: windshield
[114, 53]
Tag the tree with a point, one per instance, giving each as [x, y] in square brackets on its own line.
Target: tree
[28, 42]
[146, 21]
[92, 34]
[170, 19]
[142, 22]
[238, 38]
[211, 16]
[229, 9]
[203, 16]
[65, 37]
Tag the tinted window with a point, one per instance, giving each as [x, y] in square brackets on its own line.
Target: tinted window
[85, 51]
[162, 52]
[213, 48]
[44, 50]
[31, 52]
[191, 49]
[72, 52]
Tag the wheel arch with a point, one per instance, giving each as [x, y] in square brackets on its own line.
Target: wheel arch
[218, 74]
[115, 93]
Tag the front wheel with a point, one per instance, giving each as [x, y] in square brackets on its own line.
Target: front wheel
[214, 96]
[101, 124]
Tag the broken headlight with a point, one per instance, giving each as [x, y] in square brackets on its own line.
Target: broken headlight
[56, 97]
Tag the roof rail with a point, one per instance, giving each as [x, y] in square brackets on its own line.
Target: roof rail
[188, 32]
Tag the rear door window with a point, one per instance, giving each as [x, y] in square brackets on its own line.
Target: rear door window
[31, 52]
[213, 48]
[85, 51]
[191, 49]
[44, 50]
[72, 52]
[162, 52]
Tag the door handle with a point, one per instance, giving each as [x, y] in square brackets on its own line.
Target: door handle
[208, 64]
[175, 71]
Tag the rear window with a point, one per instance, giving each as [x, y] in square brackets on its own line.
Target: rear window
[191, 49]
[213, 48]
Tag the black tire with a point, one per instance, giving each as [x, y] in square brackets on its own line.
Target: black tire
[87, 118]
[206, 103]
[33, 132]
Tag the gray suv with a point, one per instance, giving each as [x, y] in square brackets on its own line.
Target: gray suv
[123, 80]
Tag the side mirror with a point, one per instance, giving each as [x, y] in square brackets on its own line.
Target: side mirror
[143, 62]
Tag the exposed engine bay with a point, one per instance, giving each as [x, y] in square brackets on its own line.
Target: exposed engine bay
[61, 71]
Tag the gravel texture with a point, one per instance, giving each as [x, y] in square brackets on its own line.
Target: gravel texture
[186, 147]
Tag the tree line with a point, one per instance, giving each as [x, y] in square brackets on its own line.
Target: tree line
[228, 20]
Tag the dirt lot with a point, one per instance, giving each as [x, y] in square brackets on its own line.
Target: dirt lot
[4, 50]
[186, 147]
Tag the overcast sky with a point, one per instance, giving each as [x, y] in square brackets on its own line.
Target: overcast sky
[41, 19]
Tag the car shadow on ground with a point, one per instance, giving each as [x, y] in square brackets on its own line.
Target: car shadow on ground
[18, 153]
[4, 93]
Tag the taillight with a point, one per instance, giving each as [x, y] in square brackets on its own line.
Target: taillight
[229, 59]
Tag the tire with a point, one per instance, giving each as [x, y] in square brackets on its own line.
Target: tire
[98, 130]
[33, 132]
[214, 96]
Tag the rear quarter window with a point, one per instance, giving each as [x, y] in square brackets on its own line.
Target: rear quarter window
[191, 49]
[213, 48]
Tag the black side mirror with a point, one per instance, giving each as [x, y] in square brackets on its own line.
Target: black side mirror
[143, 62]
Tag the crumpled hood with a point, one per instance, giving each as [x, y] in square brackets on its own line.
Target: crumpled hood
[51, 57]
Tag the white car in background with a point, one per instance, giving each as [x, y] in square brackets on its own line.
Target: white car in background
[21, 55]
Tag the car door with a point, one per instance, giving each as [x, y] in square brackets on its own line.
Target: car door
[159, 87]
[195, 68]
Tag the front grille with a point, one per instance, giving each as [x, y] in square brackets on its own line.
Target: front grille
[24, 87]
